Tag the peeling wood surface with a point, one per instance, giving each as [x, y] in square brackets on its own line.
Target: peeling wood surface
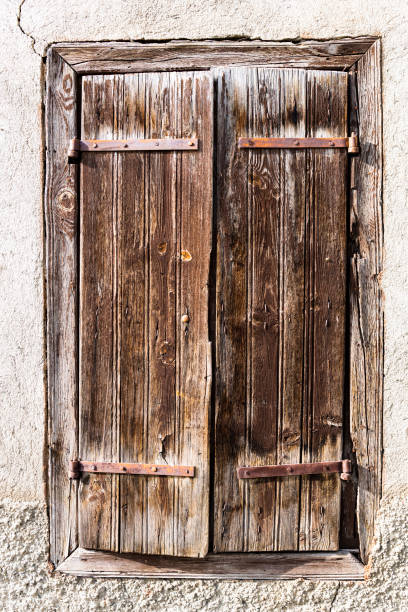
[281, 293]
[181, 55]
[144, 368]
[366, 301]
[61, 210]
[341, 565]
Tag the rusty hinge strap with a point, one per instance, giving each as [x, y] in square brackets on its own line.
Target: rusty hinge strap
[77, 146]
[297, 469]
[144, 469]
[350, 143]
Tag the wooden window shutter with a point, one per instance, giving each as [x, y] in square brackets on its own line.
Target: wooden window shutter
[281, 301]
[144, 301]
[145, 369]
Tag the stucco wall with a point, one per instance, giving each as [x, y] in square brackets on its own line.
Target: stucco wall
[26, 30]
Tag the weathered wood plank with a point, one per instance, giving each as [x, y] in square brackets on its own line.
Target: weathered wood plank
[180, 55]
[231, 312]
[61, 212]
[262, 397]
[366, 301]
[134, 250]
[341, 565]
[326, 306]
[292, 189]
[99, 331]
[163, 100]
[194, 367]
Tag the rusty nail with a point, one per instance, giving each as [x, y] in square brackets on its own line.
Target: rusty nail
[154, 468]
[94, 467]
[185, 318]
[191, 143]
[290, 469]
[297, 142]
[123, 469]
[247, 473]
[125, 146]
[332, 144]
[95, 146]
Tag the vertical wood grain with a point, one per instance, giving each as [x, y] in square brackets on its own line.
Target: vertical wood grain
[243, 519]
[263, 213]
[162, 105]
[281, 308]
[231, 312]
[325, 305]
[194, 378]
[61, 210]
[98, 399]
[366, 300]
[145, 248]
[134, 250]
[291, 305]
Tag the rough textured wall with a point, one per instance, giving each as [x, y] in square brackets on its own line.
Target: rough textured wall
[26, 585]
[27, 28]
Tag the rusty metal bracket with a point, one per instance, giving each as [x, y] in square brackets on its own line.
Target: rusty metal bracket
[297, 469]
[350, 143]
[77, 146]
[76, 468]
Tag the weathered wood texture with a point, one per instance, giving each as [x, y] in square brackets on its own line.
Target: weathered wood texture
[180, 55]
[280, 335]
[130, 280]
[61, 211]
[325, 305]
[366, 302]
[145, 375]
[341, 565]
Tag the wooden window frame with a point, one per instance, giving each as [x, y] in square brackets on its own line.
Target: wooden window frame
[361, 58]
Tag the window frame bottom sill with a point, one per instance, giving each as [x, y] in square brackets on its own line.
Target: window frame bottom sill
[338, 565]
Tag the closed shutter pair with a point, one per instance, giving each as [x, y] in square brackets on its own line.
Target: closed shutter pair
[212, 311]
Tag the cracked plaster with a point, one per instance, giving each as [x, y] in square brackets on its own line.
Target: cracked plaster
[27, 28]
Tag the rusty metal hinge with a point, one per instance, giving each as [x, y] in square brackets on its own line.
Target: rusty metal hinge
[77, 146]
[76, 468]
[350, 143]
[297, 469]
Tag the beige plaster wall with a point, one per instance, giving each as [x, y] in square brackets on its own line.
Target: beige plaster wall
[27, 28]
